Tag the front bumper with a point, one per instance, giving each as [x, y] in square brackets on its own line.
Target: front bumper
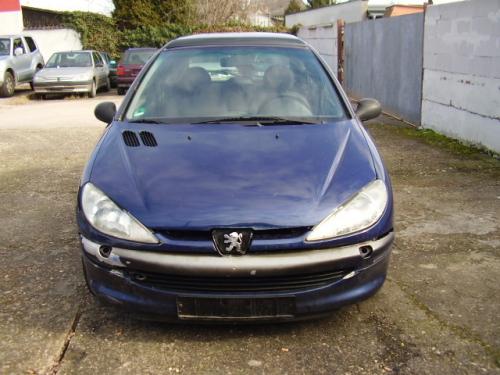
[62, 87]
[113, 279]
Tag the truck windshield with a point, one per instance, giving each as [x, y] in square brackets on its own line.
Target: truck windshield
[69, 60]
[226, 83]
[4, 46]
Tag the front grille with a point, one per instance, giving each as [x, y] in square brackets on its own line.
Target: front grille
[266, 234]
[236, 284]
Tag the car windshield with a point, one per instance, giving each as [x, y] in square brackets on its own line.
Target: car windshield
[137, 57]
[69, 60]
[4, 46]
[225, 84]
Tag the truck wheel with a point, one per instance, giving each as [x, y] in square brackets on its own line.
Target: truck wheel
[9, 85]
[93, 90]
[107, 87]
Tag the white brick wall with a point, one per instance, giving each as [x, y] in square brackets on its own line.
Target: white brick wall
[461, 87]
[58, 40]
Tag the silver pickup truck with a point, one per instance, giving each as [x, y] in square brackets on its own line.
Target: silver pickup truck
[20, 59]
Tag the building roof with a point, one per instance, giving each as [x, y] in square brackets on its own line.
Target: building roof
[236, 39]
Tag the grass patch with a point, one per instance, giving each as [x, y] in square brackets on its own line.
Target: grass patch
[433, 138]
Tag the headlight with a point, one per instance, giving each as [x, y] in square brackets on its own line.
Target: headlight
[107, 217]
[358, 213]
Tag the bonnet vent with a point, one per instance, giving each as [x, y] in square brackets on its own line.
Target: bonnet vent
[148, 139]
[130, 138]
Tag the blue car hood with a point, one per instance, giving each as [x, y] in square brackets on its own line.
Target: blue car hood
[200, 177]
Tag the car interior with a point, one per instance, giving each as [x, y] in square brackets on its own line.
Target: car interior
[235, 86]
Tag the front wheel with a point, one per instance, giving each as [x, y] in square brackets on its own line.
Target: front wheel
[93, 90]
[8, 86]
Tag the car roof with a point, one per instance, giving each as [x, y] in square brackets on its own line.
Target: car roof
[141, 49]
[221, 39]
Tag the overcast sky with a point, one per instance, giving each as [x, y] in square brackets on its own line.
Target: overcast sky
[98, 6]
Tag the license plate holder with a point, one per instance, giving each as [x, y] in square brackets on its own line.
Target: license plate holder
[196, 308]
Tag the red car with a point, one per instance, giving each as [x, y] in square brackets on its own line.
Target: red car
[130, 65]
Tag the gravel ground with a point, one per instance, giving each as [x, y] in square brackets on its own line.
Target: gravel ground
[437, 313]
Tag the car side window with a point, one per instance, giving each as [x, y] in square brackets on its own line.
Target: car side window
[18, 43]
[97, 60]
[31, 44]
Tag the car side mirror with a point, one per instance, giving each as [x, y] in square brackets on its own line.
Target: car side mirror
[368, 109]
[105, 112]
[18, 51]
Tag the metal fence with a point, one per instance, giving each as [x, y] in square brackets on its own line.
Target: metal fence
[384, 61]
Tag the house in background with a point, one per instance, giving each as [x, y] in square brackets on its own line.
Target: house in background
[357, 10]
[45, 26]
[269, 13]
[11, 19]
[401, 10]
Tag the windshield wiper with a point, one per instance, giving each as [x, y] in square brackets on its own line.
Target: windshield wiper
[261, 120]
[145, 121]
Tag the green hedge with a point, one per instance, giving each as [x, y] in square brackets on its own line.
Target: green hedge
[96, 31]
[100, 32]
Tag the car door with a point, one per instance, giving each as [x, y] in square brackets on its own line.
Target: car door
[100, 68]
[21, 62]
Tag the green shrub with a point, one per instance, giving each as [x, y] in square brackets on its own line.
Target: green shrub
[96, 31]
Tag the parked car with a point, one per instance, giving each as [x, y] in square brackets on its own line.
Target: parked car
[252, 194]
[130, 65]
[73, 72]
[112, 64]
[20, 59]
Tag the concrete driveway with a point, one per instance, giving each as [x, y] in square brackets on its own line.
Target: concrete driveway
[438, 312]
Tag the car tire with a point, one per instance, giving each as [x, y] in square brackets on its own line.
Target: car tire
[121, 91]
[9, 85]
[93, 90]
[107, 86]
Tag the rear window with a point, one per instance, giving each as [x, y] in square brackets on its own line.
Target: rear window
[137, 57]
[31, 43]
[208, 82]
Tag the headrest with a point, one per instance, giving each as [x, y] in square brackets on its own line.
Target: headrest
[279, 77]
[194, 79]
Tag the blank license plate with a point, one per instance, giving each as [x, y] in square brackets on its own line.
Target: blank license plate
[235, 308]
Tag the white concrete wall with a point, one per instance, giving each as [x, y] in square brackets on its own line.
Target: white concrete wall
[350, 12]
[50, 41]
[11, 22]
[324, 40]
[461, 86]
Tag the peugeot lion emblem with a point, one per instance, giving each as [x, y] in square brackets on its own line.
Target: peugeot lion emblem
[232, 241]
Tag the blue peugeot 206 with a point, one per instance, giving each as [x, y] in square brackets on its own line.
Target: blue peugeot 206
[235, 183]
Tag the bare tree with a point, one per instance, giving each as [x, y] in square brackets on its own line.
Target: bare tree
[213, 12]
